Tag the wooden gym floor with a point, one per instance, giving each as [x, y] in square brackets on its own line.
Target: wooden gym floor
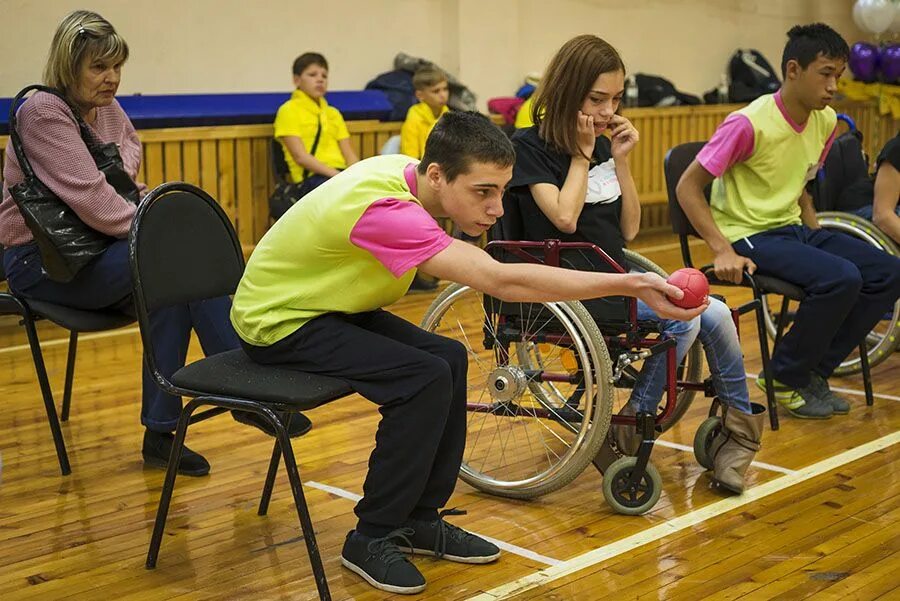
[820, 519]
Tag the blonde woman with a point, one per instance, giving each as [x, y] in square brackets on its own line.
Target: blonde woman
[85, 66]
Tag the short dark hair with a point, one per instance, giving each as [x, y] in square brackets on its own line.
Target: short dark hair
[309, 58]
[461, 138]
[807, 42]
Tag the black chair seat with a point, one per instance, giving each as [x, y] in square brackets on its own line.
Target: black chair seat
[766, 284]
[79, 320]
[234, 374]
[770, 285]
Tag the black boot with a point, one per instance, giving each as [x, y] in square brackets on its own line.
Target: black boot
[158, 448]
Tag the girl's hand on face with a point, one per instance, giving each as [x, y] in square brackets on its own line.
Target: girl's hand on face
[624, 136]
[585, 135]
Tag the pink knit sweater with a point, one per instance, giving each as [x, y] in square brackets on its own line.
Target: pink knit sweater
[62, 162]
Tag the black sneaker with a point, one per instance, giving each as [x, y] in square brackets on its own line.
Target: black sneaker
[158, 447]
[446, 541]
[300, 424]
[381, 563]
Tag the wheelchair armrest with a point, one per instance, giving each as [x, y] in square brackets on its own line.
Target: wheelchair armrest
[710, 273]
[551, 249]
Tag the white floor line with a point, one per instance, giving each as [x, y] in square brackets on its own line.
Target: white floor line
[877, 395]
[757, 464]
[528, 554]
[81, 338]
[682, 522]
[338, 492]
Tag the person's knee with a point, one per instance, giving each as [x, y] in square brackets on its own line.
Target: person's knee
[716, 317]
[456, 354]
[848, 281]
[683, 331]
[890, 272]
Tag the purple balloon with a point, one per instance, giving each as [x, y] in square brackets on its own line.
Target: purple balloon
[864, 61]
[890, 64]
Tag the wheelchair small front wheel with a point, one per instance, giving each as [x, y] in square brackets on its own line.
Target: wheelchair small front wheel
[703, 440]
[627, 498]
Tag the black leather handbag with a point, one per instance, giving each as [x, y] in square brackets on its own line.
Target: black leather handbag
[65, 242]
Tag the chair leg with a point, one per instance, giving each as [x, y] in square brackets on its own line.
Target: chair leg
[782, 322]
[273, 471]
[70, 373]
[49, 405]
[309, 535]
[764, 352]
[169, 484]
[867, 376]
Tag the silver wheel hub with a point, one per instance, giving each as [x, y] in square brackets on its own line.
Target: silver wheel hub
[506, 383]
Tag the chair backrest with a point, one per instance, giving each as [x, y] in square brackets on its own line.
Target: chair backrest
[182, 248]
[674, 165]
[845, 165]
[279, 165]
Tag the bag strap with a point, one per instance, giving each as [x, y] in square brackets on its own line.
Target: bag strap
[19, 150]
[306, 172]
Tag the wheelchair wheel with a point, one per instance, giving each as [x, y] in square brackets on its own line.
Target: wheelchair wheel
[519, 444]
[627, 499]
[707, 431]
[883, 340]
[690, 369]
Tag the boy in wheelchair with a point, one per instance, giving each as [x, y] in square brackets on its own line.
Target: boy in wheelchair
[572, 183]
[311, 298]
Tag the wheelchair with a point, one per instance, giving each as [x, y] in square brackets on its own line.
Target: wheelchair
[547, 380]
[845, 163]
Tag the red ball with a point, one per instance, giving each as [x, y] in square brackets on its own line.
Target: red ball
[694, 285]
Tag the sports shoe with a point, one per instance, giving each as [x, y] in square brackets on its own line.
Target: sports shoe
[380, 562]
[839, 405]
[803, 402]
[157, 449]
[446, 541]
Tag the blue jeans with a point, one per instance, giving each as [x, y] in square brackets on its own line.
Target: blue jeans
[849, 285]
[105, 283]
[866, 211]
[717, 334]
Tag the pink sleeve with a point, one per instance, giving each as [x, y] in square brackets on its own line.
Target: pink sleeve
[400, 234]
[732, 143]
[827, 146]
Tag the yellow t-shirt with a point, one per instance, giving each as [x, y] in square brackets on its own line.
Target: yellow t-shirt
[300, 117]
[523, 117]
[419, 122]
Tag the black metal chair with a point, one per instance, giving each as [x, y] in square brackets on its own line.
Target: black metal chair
[676, 162]
[74, 320]
[183, 248]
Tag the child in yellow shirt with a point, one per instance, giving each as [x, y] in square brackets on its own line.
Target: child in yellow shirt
[432, 91]
[313, 134]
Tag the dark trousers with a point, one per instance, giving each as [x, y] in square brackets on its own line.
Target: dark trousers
[849, 286]
[106, 283]
[418, 380]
